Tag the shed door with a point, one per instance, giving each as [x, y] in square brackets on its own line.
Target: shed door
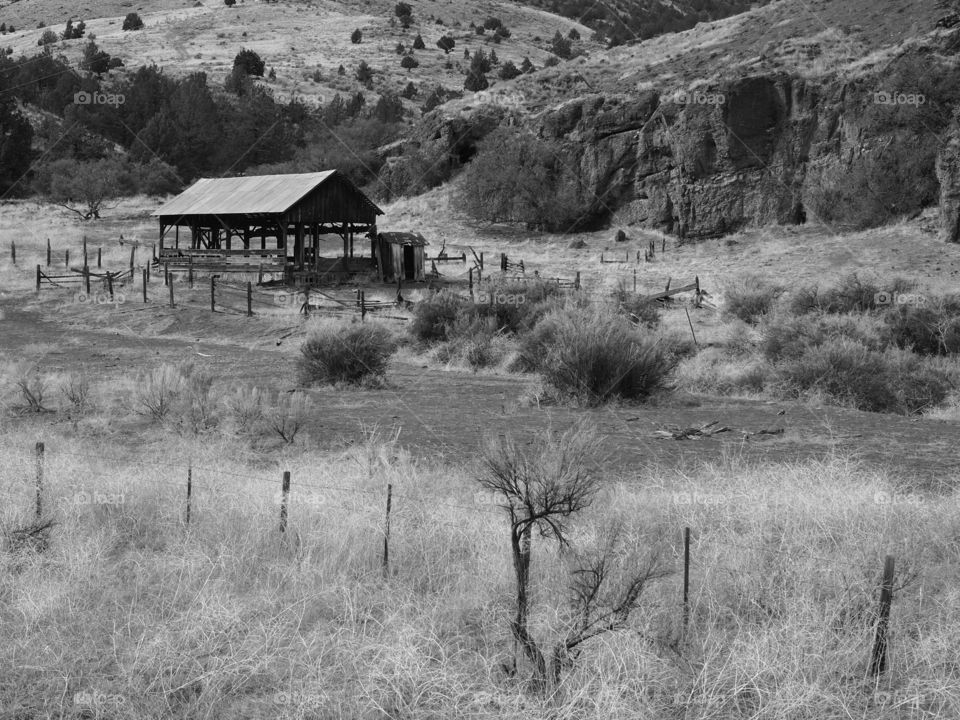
[409, 263]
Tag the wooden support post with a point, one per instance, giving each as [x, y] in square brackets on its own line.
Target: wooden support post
[190, 270]
[48, 252]
[686, 577]
[284, 497]
[690, 322]
[170, 286]
[306, 300]
[189, 490]
[878, 660]
[38, 508]
[260, 274]
[39, 274]
[144, 285]
[154, 252]
[386, 533]
[13, 252]
[249, 299]
[166, 273]
[213, 293]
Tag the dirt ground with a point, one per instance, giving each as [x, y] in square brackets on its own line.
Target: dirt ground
[442, 414]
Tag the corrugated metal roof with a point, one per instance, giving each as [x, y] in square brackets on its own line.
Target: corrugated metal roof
[244, 195]
[404, 238]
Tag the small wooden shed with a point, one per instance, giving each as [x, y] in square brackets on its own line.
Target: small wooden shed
[400, 256]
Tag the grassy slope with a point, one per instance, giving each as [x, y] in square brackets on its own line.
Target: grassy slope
[295, 38]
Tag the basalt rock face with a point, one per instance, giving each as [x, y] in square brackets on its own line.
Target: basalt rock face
[948, 173]
[702, 164]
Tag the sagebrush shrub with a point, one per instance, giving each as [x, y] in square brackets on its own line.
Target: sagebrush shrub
[877, 381]
[434, 317]
[929, 329]
[749, 299]
[594, 356]
[345, 354]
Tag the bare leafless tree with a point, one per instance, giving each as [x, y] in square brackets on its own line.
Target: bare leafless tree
[544, 486]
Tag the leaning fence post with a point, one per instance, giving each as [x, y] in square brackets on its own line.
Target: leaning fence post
[284, 497]
[686, 577]
[878, 660]
[189, 490]
[386, 532]
[39, 502]
[690, 322]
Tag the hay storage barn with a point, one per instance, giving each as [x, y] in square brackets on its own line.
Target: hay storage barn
[226, 217]
[399, 256]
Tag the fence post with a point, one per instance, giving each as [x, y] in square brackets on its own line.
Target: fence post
[85, 250]
[13, 252]
[48, 252]
[663, 245]
[170, 285]
[690, 322]
[363, 306]
[634, 279]
[481, 262]
[144, 285]
[386, 532]
[249, 298]
[306, 300]
[189, 490]
[86, 280]
[38, 278]
[133, 255]
[213, 293]
[878, 660]
[190, 270]
[166, 273]
[576, 281]
[66, 258]
[503, 262]
[284, 496]
[470, 274]
[110, 285]
[154, 251]
[686, 577]
[39, 501]
[99, 257]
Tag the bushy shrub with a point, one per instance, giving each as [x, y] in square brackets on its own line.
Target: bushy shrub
[931, 328]
[594, 356]
[789, 336]
[356, 37]
[249, 62]
[850, 294]
[749, 299]
[351, 354]
[434, 317]
[877, 381]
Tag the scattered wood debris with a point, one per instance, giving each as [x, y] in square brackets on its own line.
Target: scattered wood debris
[675, 432]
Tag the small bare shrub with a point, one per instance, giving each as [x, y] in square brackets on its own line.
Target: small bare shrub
[32, 386]
[158, 392]
[640, 310]
[197, 410]
[287, 415]
[75, 388]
